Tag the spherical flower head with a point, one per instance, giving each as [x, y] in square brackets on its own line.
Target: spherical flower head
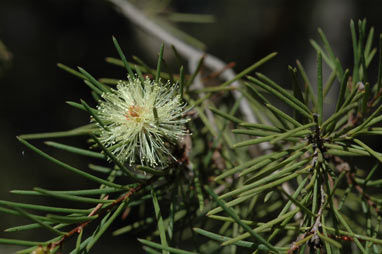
[142, 120]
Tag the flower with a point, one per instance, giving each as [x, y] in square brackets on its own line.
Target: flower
[141, 119]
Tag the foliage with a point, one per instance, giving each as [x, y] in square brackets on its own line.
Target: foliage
[302, 190]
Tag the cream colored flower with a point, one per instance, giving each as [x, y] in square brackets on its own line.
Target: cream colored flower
[132, 129]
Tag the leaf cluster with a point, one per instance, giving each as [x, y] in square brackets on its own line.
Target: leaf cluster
[285, 184]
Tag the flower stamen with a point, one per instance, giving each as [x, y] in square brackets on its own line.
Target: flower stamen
[143, 120]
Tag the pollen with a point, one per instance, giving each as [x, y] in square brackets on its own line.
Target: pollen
[133, 113]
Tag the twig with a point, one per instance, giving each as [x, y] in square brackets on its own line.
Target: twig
[192, 54]
[96, 210]
[316, 241]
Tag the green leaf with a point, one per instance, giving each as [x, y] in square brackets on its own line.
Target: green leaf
[70, 219]
[73, 197]
[109, 81]
[342, 220]
[379, 81]
[229, 204]
[286, 209]
[225, 115]
[260, 126]
[72, 192]
[215, 89]
[329, 83]
[259, 133]
[320, 94]
[105, 226]
[258, 162]
[232, 214]
[150, 250]
[78, 243]
[44, 208]
[37, 220]
[80, 106]
[160, 59]
[341, 96]
[152, 170]
[254, 141]
[161, 227]
[274, 163]
[70, 168]
[248, 164]
[19, 242]
[275, 182]
[71, 71]
[263, 100]
[355, 51]
[135, 226]
[326, 44]
[376, 155]
[270, 178]
[297, 203]
[206, 121]
[282, 91]
[296, 91]
[330, 240]
[365, 123]
[94, 115]
[292, 132]
[104, 170]
[366, 97]
[267, 225]
[198, 188]
[358, 236]
[145, 67]
[333, 118]
[283, 115]
[80, 131]
[75, 150]
[322, 53]
[24, 227]
[250, 69]
[221, 238]
[115, 160]
[347, 148]
[195, 73]
[282, 97]
[164, 248]
[229, 219]
[308, 86]
[370, 57]
[369, 42]
[123, 58]
[181, 83]
[94, 89]
[93, 81]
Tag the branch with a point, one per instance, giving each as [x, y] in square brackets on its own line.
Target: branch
[192, 54]
[98, 209]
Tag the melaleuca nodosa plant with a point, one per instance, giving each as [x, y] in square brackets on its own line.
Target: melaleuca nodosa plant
[304, 178]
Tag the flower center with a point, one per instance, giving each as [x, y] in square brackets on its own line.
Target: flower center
[134, 113]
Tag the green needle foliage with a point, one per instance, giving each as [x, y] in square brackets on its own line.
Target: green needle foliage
[290, 183]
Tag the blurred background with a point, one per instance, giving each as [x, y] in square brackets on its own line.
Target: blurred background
[39, 34]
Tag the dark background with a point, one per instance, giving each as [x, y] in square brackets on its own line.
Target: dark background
[39, 34]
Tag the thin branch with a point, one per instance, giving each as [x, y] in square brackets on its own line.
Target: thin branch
[192, 54]
[317, 226]
[96, 210]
